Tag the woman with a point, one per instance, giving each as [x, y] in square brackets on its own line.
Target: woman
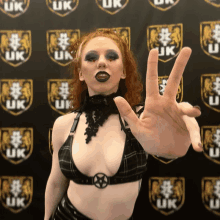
[104, 160]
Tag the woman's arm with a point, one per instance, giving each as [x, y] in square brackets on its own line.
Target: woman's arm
[57, 183]
[53, 195]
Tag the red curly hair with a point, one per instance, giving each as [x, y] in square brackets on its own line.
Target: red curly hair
[131, 86]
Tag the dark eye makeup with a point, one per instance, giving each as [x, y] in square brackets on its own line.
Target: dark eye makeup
[94, 56]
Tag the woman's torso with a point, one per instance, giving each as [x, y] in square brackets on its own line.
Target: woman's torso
[102, 154]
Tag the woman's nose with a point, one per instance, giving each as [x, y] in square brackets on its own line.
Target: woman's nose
[101, 64]
[102, 61]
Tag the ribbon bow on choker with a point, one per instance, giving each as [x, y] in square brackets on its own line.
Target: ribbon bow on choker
[97, 109]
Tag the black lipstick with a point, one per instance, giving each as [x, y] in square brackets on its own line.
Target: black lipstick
[102, 78]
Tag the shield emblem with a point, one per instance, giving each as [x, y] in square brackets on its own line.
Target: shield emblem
[162, 82]
[163, 5]
[111, 6]
[58, 42]
[210, 194]
[210, 38]
[167, 194]
[16, 95]
[58, 94]
[62, 8]
[168, 39]
[215, 3]
[15, 46]
[14, 8]
[16, 144]
[210, 84]
[16, 192]
[210, 135]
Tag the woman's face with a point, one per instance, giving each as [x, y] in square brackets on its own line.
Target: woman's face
[101, 54]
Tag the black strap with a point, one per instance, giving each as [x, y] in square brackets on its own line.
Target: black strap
[100, 180]
[141, 110]
[76, 120]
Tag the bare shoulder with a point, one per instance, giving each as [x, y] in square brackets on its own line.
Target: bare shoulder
[60, 132]
[63, 119]
[62, 126]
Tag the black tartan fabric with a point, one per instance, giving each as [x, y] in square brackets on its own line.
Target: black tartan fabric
[132, 167]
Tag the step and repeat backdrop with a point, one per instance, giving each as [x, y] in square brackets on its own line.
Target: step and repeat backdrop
[34, 89]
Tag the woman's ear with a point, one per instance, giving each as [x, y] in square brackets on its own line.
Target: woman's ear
[80, 76]
[123, 75]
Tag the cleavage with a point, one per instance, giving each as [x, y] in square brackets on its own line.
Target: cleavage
[104, 152]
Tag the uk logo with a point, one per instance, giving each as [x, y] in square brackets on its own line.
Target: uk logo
[210, 38]
[112, 6]
[62, 7]
[14, 8]
[211, 194]
[163, 5]
[16, 192]
[211, 142]
[58, 42]
[168, 39]
[58, 95]
[16, 95]
[167, 194]
[15, 46]
[16, 144]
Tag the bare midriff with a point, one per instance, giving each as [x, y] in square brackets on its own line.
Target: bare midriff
[115, 202]
[103, 154]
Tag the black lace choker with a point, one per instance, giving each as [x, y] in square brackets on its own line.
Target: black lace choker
[97, 109]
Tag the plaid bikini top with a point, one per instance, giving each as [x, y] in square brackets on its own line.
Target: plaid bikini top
[132, 167]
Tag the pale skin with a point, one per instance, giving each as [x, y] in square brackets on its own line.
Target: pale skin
[165, 128]
[96, 57]
[155, 130]
[104, 152]
[171, 127]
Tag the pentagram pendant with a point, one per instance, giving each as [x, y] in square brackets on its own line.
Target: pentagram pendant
[100, 180]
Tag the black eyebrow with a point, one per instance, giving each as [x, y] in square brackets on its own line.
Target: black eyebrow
[109, 50]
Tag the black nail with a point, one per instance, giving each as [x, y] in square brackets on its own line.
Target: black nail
[200, 145]
[196, 106]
